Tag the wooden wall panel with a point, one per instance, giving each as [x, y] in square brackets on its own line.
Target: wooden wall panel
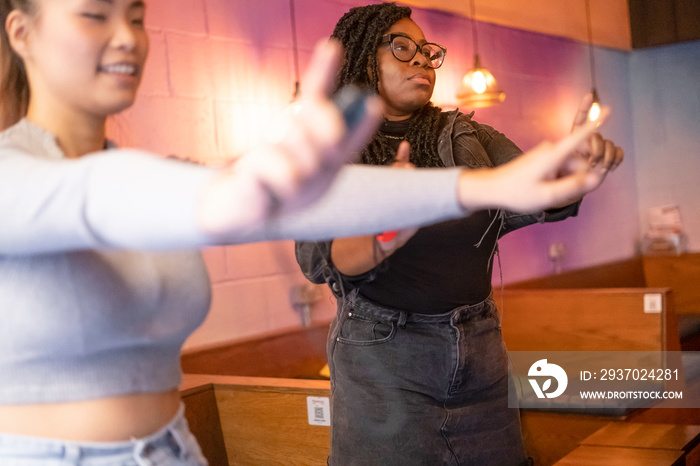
[269, 425]
[203, 418]
[586, 320]
[681, 274]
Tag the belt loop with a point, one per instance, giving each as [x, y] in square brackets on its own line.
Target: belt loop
[179, 441]
[139, 447]
[402, 319]
[72, 453]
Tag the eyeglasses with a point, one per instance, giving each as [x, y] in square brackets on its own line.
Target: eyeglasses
[404, 49]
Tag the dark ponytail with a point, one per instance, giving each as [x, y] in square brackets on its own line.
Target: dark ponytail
[14, 86]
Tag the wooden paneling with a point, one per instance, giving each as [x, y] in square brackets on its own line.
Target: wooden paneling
[628, 273]
[261, 421]
[300, 353]
[587, 320]
[202, 416]
[609, 18]
[661, 22]
[681, 274]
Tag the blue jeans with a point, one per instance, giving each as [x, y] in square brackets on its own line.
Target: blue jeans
[417, 389]
[170, 446]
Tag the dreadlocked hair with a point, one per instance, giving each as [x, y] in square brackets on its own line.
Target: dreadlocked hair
[360, 31]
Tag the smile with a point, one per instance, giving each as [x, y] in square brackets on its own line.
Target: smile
[120, 68]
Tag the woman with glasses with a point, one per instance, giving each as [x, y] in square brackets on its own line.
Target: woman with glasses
[418, 366]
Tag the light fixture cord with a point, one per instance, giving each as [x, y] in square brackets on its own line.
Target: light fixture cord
[295, 49]
[474, 33]
[590, 42]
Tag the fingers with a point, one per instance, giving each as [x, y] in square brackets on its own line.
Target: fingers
[596, 148]
[403, 156]
[582, 112]
[319, 77]
[572, 187]
[550, 157]
[619, 157]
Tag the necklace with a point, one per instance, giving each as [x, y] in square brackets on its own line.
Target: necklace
[389, 136]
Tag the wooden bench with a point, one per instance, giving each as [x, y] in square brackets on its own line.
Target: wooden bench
[255, 421]
[612, 319]
[580, 320]
[679, 273]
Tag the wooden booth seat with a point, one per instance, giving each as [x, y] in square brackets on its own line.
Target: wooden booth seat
[680, 273]
[264, 420]
[253, 421]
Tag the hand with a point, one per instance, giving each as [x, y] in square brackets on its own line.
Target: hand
[600, 153]
[403, 155]
[295, 166]
[358, 254]
[548, 175]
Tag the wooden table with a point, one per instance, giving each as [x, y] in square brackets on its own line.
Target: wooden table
[632, 443]
[591, 455]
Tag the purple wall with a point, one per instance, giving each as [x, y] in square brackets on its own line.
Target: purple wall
[219, 69]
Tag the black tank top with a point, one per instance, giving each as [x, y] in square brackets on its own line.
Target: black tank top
[440, 267]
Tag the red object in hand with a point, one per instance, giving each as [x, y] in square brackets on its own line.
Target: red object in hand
[387, 236]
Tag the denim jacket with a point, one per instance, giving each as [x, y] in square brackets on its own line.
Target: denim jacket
[463, 142]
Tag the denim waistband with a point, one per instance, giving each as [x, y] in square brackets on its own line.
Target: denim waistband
[364, 307]
[168, 437]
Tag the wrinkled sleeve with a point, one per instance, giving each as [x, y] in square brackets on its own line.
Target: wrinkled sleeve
[117, 199]
[130, 199]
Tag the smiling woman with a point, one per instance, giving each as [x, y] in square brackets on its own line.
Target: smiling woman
[86, 55]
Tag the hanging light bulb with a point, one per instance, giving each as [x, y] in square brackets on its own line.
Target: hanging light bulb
[478, 88]
[594, 112]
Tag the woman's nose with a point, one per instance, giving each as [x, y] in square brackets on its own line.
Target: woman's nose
[124, 36]
[419, 59]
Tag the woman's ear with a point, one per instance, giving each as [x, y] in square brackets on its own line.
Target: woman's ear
[17, 27]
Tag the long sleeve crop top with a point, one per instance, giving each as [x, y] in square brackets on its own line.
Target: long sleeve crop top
[100, 280]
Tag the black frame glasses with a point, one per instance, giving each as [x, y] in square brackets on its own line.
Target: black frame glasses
[433, 53]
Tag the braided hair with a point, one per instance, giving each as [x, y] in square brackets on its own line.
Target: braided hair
[360, 32]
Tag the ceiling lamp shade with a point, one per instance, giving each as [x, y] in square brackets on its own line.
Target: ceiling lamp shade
[479, 88]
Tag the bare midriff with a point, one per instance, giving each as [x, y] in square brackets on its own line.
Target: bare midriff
[103, 420]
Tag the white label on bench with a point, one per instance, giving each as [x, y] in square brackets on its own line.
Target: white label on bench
[652, 303]
[319, 408]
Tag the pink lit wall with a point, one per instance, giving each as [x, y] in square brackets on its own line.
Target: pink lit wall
[220, 69]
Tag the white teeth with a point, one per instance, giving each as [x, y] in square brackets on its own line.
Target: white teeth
[121, 68]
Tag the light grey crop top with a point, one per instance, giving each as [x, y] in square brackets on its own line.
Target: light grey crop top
[86, 312]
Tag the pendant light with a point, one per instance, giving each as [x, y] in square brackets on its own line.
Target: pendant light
[478, 88]
[594, 111]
